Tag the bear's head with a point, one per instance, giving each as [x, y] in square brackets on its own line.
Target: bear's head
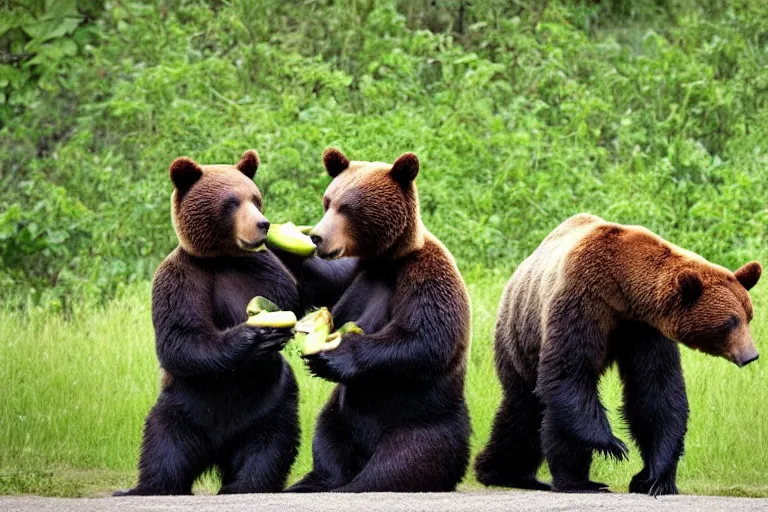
[371, 209]
[710, 309]
[216, 209]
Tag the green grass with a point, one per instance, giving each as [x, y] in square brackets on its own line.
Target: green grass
[76, 392]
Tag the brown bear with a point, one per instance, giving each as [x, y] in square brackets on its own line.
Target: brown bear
[229, 400]
[592, 294]
[398, 419]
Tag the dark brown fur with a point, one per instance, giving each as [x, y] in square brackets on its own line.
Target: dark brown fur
[592, 294]
[228, 400]
[398, 420]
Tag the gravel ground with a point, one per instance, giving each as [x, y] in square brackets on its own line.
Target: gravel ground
[488, 501]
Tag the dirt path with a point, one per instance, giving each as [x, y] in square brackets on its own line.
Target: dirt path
[474, 502]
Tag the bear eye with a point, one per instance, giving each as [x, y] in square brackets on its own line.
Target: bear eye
[731, 324]
[326, 203]
[231, 203]
[257, 201]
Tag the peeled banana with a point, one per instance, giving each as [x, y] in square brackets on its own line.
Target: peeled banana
[290, 238]
[276, 319]
[264, 313]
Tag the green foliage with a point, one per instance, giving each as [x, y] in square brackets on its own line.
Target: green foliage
[522, 114]
[40, 41]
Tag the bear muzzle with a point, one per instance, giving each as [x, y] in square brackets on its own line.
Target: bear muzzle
[322, 250]
[250, 227]
[746, 356]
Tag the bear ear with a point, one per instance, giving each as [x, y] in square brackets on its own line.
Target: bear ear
[749, 274]
[184, 173]
[249, 163]
[690, 287]
[334, 161]
[406, 168]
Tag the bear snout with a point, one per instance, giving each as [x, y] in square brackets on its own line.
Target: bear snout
[746, 356]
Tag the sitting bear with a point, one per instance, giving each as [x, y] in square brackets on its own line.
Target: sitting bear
[398, 420]
[229, 400]
[592, 294]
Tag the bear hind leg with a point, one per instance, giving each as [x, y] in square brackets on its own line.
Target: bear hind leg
[513, 454]
[429, 458]
[262, 462]
[333, 457]
[173, 455]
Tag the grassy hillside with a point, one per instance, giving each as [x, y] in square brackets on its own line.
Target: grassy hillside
[522, 113]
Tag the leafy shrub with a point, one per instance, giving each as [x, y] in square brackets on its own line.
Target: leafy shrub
[521, 116]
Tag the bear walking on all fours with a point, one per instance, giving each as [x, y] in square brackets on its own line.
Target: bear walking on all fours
[398, 419]
[592, 294]
[229, 400]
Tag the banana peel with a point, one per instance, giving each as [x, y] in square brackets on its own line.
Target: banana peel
[259, 304]
[290, 238]
[314, 332]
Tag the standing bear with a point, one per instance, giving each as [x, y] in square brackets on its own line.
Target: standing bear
[592, 294]
[398, 420]
[229, 399]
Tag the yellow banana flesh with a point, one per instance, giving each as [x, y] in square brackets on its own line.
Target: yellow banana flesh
[290, 239]
[275, 319]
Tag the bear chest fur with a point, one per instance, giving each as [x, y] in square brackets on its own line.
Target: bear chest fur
[239, 280]
[367, 300]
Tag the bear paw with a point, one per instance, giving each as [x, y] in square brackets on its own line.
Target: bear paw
[585, 486]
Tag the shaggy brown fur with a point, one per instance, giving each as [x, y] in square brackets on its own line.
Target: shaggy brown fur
[398, 420]
[228, 399]
[593, 293]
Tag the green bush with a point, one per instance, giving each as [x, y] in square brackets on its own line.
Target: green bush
[651, 114]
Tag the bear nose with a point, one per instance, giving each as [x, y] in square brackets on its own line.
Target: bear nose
[747, 356]
[745, 361]
[316, 239]
[263, 225]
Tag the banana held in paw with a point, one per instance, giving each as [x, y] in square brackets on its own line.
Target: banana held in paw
[290, 239]
[314, 332]
[262, 312]
[314, 329]
[275, 319]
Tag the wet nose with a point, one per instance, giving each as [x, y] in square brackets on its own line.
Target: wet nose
[316, 239]
[263, 225]
[747, 357]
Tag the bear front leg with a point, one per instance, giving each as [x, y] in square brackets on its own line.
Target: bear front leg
[573, 357]
[568, 462]
[655, 404]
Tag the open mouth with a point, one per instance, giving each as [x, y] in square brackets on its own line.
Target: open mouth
[251, 246]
